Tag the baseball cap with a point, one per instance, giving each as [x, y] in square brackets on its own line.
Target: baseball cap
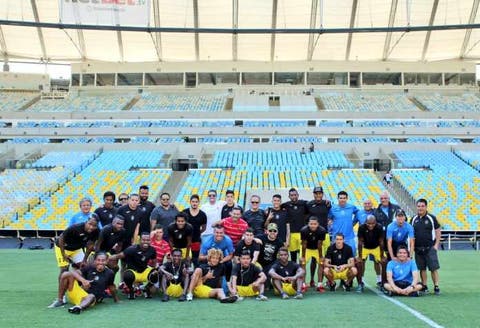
[400, 212]
[318, 189]
[272, 226]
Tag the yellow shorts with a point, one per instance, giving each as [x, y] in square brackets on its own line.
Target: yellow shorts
[141, 277]
[184, 252]
[325, 244]
[246, 291]
[342, 275]
[311, 253]
[295, 242]
[202, 291]
[77, 294]
[174, 290]
[76, 256]
[374, 252]
[288, 288]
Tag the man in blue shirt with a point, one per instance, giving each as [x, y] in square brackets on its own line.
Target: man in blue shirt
[341, 218]
[82, 216]
[402, 275]
[222, 242]
[367, 210]
[399, 232]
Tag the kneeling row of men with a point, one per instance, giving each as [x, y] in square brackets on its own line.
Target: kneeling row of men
[87, 286]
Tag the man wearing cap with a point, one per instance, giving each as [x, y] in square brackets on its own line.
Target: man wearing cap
[399, 233]
[319, 208]
[270, 244]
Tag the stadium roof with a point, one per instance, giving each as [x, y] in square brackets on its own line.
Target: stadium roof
[214, 30]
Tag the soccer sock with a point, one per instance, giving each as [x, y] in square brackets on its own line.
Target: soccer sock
[379, 278]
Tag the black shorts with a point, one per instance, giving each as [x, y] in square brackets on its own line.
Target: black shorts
[426, 258]
[402, 284]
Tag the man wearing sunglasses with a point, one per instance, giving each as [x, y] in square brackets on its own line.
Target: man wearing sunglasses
[164, 214]
[255, 216]
[213, 210]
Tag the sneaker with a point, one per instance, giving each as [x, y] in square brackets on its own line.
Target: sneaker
[342, 284]
[285, 296]
[182, 298]
[414, 294]
[312, 283]
[304, 288]
[425, 290]
[262, 297]
[230, 299]
[379, 285]
[298, 296]
[123, 287]
[165, 298]
[189, 297]
[347, 287]
[75, 310]
[436, 290]
[360, 288]
[131, 295]
[56, 303]
[147, 294]
[138, 291]
[321, 289]
[239, 298]
[332, 286]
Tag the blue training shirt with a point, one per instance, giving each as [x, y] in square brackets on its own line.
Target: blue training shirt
[225, 245]
[402, 271]
[343, 218]
[400, 234]
[361, 217]
[80, 217]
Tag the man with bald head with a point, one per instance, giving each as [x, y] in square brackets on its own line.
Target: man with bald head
[385, 212]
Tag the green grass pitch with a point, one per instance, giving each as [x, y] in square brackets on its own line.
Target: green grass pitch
[28, 284]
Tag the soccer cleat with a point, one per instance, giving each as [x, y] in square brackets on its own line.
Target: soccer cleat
[360, 288]
[75, 309]
[414, 294]
[379, 285]
[285, 296]
[298, 296]
[425, 290]
[262, 297]
[321, 289]
[332, 286]
[138, 290]
[189, 297]
[312, 283]
[182, 298]
[347, 287]
[436, 290]
[166, 298]
[55, 304]
[230, 299]
[131, 295]
[304, 288]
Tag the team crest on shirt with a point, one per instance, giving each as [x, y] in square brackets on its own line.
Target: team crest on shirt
[426, 221]
[143, 258]
[96, 278]
[295, 207]
[339, 256]
[277, 216]
[180, 236]
[144, 209]
[110, 216]
[132, 218]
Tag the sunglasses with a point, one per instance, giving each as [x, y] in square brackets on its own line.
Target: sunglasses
[212, 195]
[165, 198]
[121, 199]
[272, 231]
[254, 202]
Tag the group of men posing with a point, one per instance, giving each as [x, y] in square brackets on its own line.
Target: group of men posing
[219, 251]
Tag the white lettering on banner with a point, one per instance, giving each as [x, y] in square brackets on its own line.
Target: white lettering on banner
[105, 12]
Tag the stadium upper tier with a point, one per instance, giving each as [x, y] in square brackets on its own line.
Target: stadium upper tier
[365, 102]
[449, 184]
[83, 103]
[110, 171]
[12, 101]
[167, 102]
[463, 103]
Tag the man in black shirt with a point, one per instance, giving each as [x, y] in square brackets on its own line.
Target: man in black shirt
[230, 204]
[313, 236]
[270, 244]
[287, 276]
[207, 279]
[75, 244]
[385, 212]
[296, 213]
[248, 244]
[427, 233]
[111, 240]
[255, 216]
[339, 263]
[198, 219]
[133, 215]
[319, 208]
[175, 277]
[247, 279]
[146, 207]
[86, 286]
[137, 258]
[370, 243]
[180, 235]
[107, 211]
[279, 216]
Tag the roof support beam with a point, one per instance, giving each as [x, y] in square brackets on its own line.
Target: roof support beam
[353, 14]
[274, 26]
[235, 26]
[157, 40]
[311, 36]
[430, 23]
[468, 32]
[120, 46]
[39, 29]
[195, 24]
[81, 43]
[391, 21]
[3, 46]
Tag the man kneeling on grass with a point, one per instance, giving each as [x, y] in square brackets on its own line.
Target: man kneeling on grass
[86, 286]
[287, 276]
[402, 275]
[207, 279]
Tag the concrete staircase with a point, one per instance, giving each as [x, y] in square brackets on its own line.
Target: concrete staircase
[173, 185]
[401, 195]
